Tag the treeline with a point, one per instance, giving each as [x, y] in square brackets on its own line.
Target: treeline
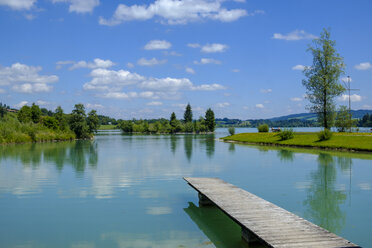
[366, 121]
[173, 125]
[33, 124]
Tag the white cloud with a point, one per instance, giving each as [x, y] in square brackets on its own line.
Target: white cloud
[193, 45]
[353, 98]
[42, 103]
[171, 53]
[21, 104]
[235, 70]
[189, 70]
[18, 4]
[366, 106]
[294, 35]
[130, 65]
[94, 106]
[154, 103]
[208, 87]
[260, 105]
[80, 6]
[97, 63]
[345, 79]
[175, 12]
[26, 79]
[110, 84]
[150, 62]
[2, 91]
[205, 61]
[298, 67]
[363, 66]
[265, 91]
[214, 48]
[158, 45]
[296, 99]
[222, 105]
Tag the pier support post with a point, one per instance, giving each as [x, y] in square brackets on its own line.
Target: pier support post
[204, 201]
[248, 236]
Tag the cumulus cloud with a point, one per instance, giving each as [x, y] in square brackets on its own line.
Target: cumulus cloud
[222, 105]
[26, 79]
[130, 65]
[189, 70]
[18, 4]
[204, 61]
[110, 84]
[299, 67]
[97, 63]
[235, 70]
[353, 98]
[150, 62]
[79, 6]
[260, 106]
[265, 91]
[363, 66]
[193, 45]
[214, 48]
[175, 12]
[94, 106]
[294, 35]
[154, 103]
[21, 104]
[296, 99]
[158, 45]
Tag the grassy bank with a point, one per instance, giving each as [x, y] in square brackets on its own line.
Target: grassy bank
[13, 131]
[339, 141]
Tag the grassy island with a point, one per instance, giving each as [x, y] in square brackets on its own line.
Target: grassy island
[339, 141]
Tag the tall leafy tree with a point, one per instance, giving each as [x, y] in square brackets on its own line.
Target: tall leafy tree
[24, 114]
[344, 119]
[187, 117]
[210, 122]
[173, 120]
[35, 113]
[61, 118]
[93, 121]
[322, 78]
[78, 122]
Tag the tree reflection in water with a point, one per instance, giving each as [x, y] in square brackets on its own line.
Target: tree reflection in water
[286, 155]
[323, 199]
[78, 154]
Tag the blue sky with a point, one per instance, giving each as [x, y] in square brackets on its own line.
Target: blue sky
[145, 59]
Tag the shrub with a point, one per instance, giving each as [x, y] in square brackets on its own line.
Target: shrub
[326, 134]
[286, 134]
[231, 130]
[263, 128]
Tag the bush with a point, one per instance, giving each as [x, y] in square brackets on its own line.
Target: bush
[286, 134]
[263, 128]
[231, 130]
[326, 134]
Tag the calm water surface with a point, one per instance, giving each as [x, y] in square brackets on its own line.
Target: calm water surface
[127, 191]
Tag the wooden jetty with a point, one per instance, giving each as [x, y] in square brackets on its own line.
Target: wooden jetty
[263, 221]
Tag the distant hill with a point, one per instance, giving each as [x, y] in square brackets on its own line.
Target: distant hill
[293, 120]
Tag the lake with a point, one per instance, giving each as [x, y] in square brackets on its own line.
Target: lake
[127, 190]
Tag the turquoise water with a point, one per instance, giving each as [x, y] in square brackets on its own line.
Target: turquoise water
[127, 191]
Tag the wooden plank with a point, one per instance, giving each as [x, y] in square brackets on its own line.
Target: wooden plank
[272, 225]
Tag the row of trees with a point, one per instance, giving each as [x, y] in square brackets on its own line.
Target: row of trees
[173, 125]
[366, 121]
[83, 125]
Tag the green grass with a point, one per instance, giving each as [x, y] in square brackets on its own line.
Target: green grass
[347, 141]
[107, 127]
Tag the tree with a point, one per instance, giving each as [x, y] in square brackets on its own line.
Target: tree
[343, 119]
[173, 120]
[322, 78]
[60, 117]
[209, 120]
[93, 121]
[35, 113]
[24, 114]
[187, 117]
[78, 123]
[3, 110]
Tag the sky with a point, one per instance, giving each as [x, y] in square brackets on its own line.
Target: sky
[145, 59]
